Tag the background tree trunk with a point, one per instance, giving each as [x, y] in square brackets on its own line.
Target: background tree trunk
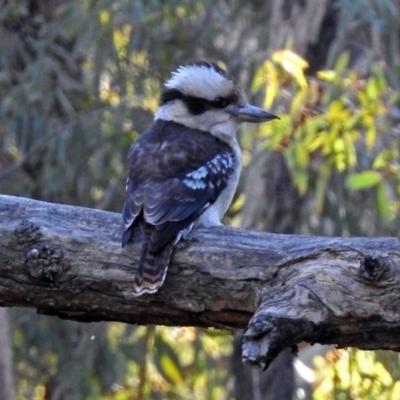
[6, 358]
[273, 205]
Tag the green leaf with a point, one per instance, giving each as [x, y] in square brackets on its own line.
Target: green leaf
[372, 89]
[383, 202]
[302, 156]
[300, 179]
[321, 187]
[293, 64]
[342, 63]
[170, 370]
[299, 100]
[167, 361]
[271, 94]
[327, 75]
[363, 180]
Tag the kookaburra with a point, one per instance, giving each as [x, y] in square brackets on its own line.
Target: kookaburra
[183, 171]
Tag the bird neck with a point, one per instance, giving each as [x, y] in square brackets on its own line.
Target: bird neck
[221, 126]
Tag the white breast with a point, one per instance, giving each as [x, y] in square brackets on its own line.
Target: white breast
[214, 214]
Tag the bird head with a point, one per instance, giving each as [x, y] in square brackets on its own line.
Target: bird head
[203, 96]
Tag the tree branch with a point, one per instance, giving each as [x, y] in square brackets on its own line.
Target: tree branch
[67, 261]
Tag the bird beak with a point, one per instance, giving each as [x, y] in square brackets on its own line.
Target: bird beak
[249, 113]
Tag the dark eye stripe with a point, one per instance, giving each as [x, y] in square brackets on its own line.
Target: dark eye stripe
[196, 105]
[170, 95]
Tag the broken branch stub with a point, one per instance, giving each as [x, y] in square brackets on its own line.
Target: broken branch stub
[338, 298]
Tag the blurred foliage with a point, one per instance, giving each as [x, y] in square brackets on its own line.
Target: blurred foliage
[369, 30]
[80, 79]
[337, 125]
[351, 374]
[118, 361]
[78, 82]
[339, 133]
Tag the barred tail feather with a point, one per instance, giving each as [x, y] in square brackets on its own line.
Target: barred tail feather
[152, 269]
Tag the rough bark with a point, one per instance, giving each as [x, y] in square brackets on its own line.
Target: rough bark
[67, 261]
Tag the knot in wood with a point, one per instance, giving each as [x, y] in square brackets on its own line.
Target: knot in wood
[373, 267]
[45, 262]
[27, 232]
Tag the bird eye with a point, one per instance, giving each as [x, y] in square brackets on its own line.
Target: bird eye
[220, 102]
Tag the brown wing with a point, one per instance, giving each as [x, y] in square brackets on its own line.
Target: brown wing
[175, 174]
